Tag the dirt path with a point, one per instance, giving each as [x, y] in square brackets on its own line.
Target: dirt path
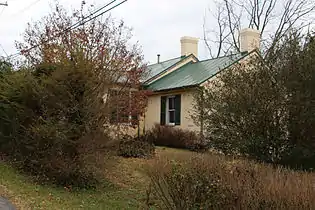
[6, 205]
[14, 200]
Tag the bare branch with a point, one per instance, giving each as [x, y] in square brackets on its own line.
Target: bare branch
[205, 37]
[230, 24]
[273, 18]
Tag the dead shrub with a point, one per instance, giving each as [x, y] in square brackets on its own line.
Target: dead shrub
[175, 137]
[138, 147]
[185, 185]
[217, 182]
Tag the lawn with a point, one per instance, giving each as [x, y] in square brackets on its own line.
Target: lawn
[27, 195]
[126, 182]
[125, 188]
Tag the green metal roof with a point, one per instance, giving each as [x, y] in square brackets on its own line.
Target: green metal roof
[155, 69]
[193, 74]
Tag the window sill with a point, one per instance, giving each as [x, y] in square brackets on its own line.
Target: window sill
[171, 124]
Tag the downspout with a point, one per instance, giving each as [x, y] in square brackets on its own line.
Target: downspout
[201, 115]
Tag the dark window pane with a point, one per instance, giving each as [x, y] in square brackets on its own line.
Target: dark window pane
[113, 117]
[124, 119]
[177, 109]
[171, 116]
[163, 110]
[171, 103]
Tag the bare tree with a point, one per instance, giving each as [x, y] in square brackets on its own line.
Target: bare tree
[273, 18]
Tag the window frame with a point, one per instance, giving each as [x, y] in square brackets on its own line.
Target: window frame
[168, 110]
[119, 119]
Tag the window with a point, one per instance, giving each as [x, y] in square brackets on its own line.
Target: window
[170, 110]
[121, 105]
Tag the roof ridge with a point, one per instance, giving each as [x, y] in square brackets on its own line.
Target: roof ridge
[224, 56]
[167, 60]
[243, 55]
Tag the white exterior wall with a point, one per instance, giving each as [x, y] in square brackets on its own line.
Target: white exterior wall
[152, 115]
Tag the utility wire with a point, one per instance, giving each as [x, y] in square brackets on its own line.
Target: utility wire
[102, 13]
[79, 23]
[93, 13]
[25, 8]
[1, 11]
[3, 50]
[76, 25]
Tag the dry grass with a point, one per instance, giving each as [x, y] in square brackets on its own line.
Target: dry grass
[131, 172]
[174, 137]
[17, 202]
[28, 195]
[247, 185]
[252, 183]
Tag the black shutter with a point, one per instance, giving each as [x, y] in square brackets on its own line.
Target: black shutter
[134, 119]
[177, 109]
[163, 110]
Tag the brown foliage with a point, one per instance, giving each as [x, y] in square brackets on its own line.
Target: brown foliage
[174, 137]
[137, 147]
[215, 182]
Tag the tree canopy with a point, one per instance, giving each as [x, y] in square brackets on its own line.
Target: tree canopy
[263, 108]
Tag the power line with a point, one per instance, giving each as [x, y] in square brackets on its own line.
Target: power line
[94, 12]
[3, 50]
[101, 13]
[26, 8]
[1, 11]
[76, 25]
[79, 22]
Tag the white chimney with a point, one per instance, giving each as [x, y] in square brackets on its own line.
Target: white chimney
[249, 39]
[189, 45]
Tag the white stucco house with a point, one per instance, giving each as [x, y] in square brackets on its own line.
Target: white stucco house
[174, 81]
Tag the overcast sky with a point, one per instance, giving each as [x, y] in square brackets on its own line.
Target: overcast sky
[157, 24]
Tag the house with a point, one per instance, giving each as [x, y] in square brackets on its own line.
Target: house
[174, 81]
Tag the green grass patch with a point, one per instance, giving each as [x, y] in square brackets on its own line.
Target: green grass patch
[26, 194]
[125, 189]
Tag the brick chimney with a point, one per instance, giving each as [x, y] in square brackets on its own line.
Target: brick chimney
[189, 45]
[249, 39]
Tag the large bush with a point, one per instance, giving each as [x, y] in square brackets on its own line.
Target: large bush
[53, 110]
[44, 129]
[262, 109]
